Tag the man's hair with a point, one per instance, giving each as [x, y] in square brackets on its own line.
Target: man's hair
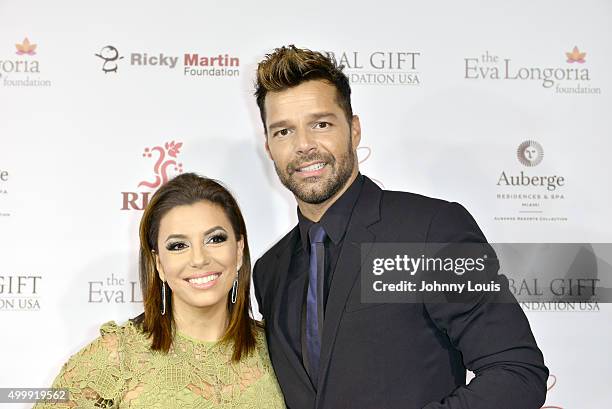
[290, 66]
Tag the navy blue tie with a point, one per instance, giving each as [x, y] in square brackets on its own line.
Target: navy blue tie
[314, 299]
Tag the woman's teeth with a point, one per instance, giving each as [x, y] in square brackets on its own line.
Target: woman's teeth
[204, 280]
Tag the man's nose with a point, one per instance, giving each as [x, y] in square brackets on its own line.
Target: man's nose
[305, 142]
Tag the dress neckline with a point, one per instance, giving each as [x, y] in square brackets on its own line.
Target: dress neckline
[195, 340]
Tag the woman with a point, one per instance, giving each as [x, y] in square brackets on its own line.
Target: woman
[195, 346]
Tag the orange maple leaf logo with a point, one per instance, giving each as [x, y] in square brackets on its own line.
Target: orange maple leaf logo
[575, 56]
[26, 47]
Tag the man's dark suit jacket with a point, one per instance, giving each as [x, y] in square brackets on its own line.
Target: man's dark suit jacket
[404, 356]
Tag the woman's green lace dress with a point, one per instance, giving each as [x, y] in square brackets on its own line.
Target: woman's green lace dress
[119, 370]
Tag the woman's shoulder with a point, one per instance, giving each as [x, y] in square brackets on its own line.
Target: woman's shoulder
[129, 329]
[108, 350]
[95, 373]
[127, 339]
[110, 342]
[109, 347]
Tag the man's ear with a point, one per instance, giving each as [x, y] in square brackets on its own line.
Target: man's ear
[268, 149]
[355, 131]
[160, 268]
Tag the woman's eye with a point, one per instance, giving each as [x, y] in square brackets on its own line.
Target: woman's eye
[217, 238]
[176, 246]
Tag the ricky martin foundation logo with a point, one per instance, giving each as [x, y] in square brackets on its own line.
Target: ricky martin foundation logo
[165, 165]
[191, 64]
[22, 67]
[221, 65]
[528, 195]
[110, 58]
[567, 75]
[382, 67]
[530, 153]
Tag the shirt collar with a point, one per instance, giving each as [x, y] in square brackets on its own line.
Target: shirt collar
[336, 218]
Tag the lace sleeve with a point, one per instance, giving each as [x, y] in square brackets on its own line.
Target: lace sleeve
[92, 376]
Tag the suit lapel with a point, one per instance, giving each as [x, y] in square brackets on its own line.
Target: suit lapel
[366, 213]
[281, 269]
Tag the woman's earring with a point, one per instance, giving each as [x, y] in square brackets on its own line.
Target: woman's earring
[235, 288]
[163, 309]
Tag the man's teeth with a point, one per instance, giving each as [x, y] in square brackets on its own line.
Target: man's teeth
[204, 280]
[312, 168]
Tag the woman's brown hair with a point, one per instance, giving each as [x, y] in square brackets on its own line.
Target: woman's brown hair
[187, 189]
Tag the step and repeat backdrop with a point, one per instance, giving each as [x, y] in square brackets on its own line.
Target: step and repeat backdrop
[501, 106]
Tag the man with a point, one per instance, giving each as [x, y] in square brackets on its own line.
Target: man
[330, 350]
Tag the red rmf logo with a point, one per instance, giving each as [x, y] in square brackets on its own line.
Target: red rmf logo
[166, 157]
[164, 161]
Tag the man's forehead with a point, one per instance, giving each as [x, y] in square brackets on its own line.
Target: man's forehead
[307, 97]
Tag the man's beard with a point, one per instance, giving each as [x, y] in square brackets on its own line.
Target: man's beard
[315, 190]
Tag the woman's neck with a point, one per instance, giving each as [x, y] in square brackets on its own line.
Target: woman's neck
[202, 323]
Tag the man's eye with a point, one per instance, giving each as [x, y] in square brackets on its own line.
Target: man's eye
[217, 238]
[282, 132]
[176, 246]
[322, 125]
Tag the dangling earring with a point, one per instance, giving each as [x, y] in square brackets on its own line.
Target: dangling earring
[235, 287]
[163, 309]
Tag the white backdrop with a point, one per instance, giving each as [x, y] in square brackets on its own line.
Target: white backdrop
[435, 120]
